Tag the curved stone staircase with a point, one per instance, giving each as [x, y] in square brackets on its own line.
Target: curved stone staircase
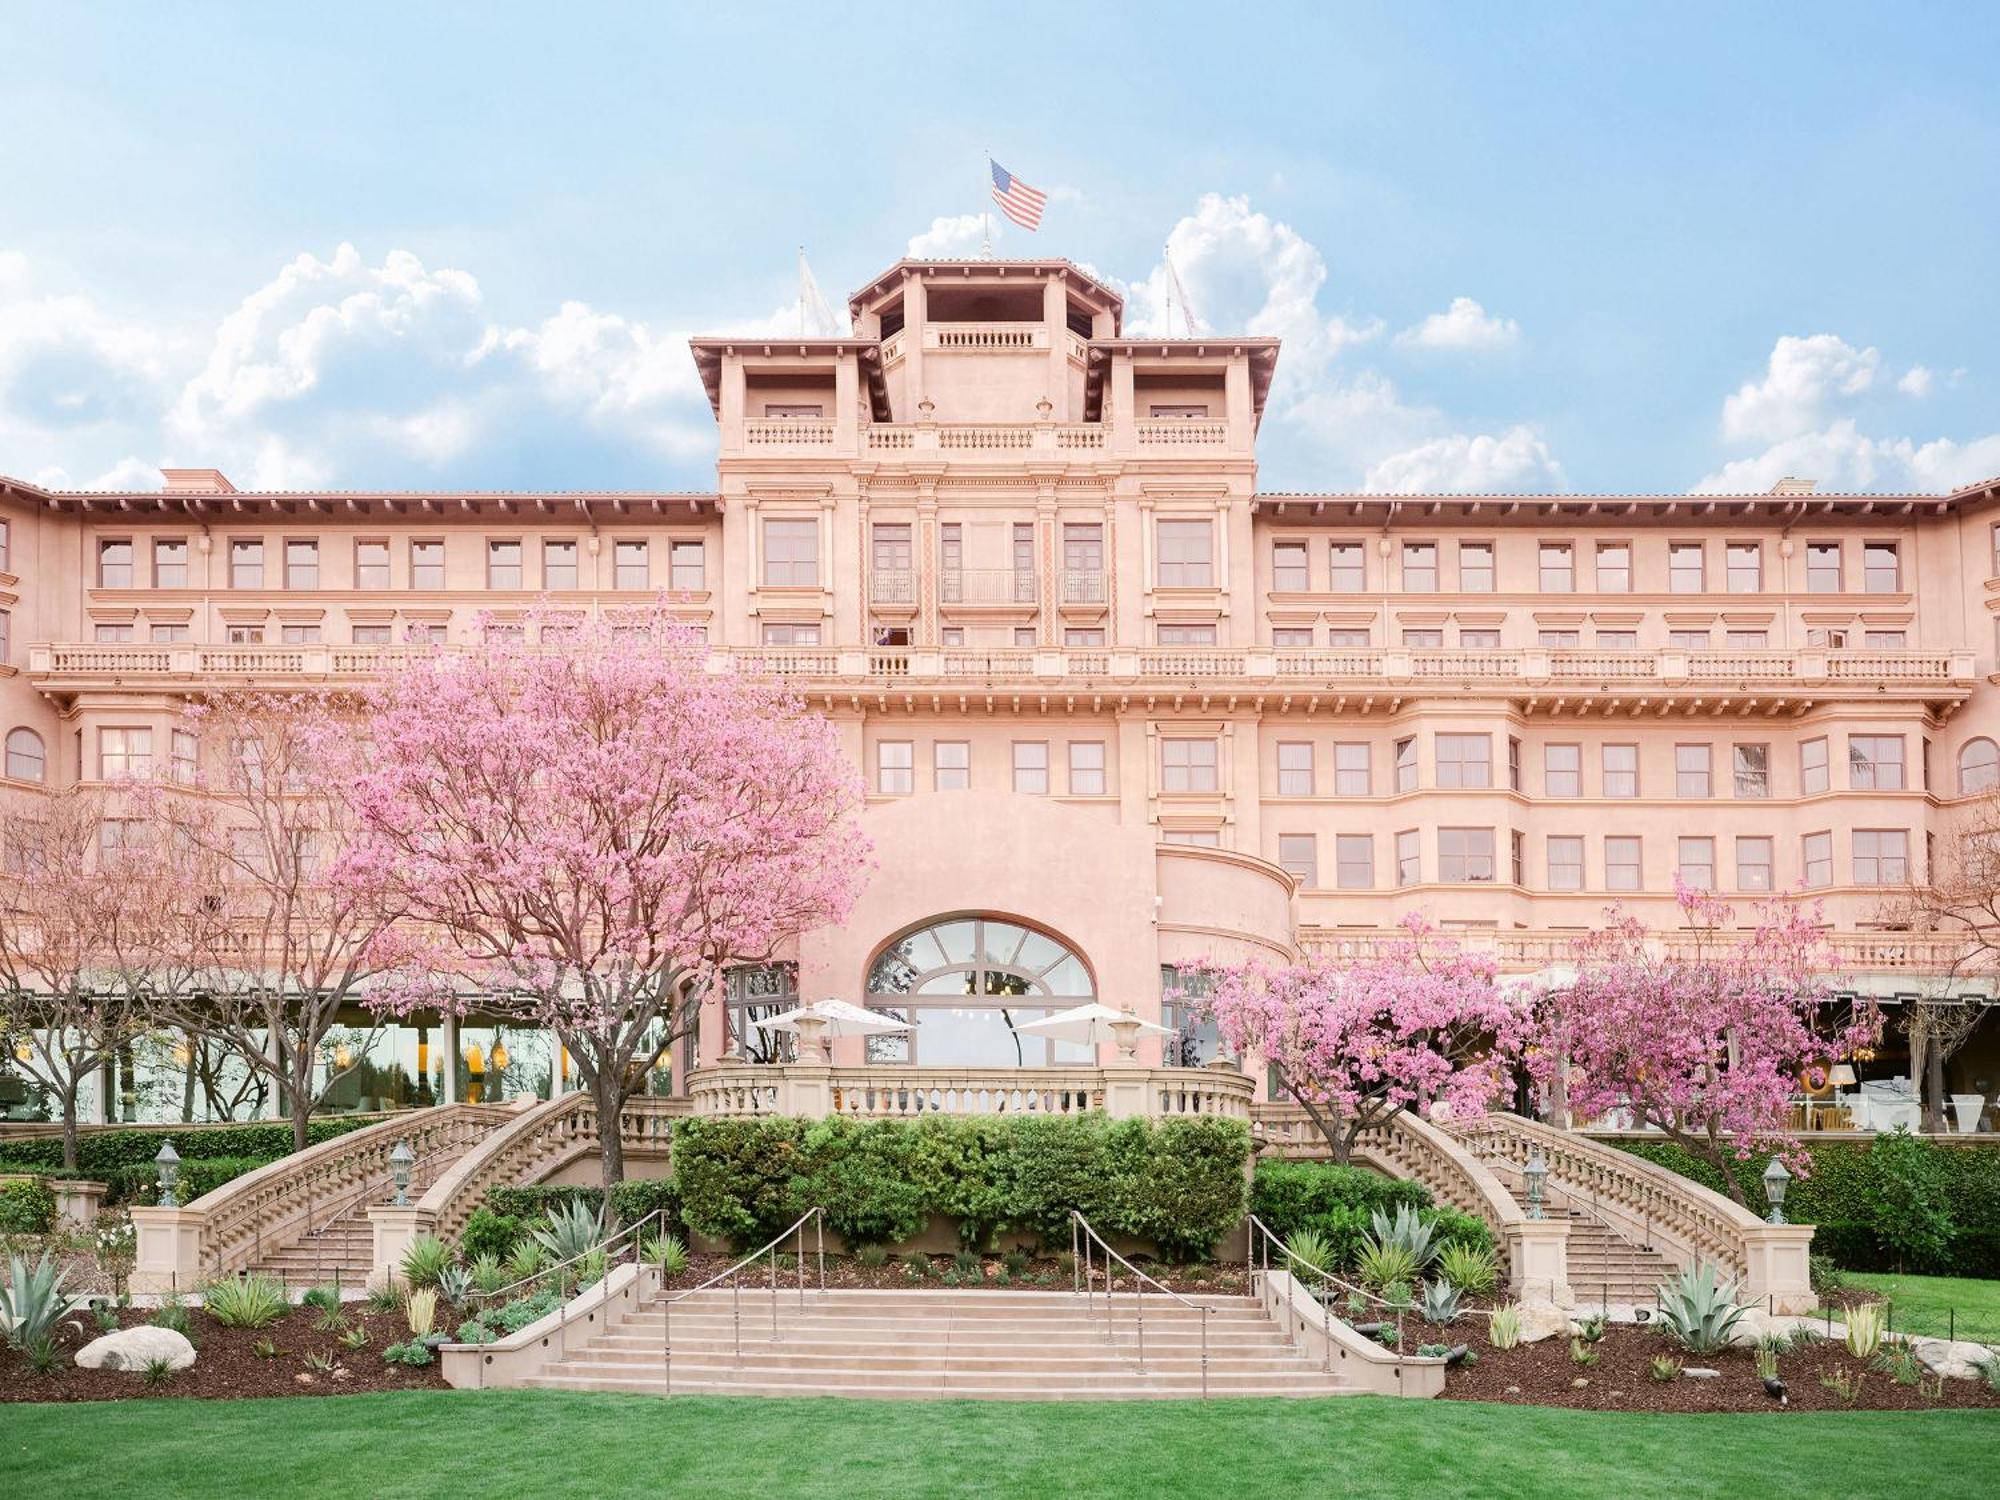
[1603, 1265]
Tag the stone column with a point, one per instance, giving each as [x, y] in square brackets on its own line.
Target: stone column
[448, 1045]
[394, 1229]
[1778, 1277]
[1538, 1260]
[77, 1203]
[169, 1249]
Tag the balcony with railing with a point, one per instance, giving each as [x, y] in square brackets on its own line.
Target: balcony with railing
[892, 586]
[1085, 586]
[1519, 952]
[987, 586]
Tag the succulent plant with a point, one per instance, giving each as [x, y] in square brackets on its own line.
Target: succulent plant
[1700, 1310]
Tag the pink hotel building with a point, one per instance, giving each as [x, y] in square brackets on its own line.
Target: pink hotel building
[1116, 707]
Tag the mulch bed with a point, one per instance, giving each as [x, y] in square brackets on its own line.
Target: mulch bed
[1544, 1374]
[225, 1365]
[1042, 1274]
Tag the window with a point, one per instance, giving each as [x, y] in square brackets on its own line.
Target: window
[1298, 856]
[895, 768]
[1822, 567]
[1881, 568]
[425, 633]
[1475, 567]
[503, 565]
[1813, 766]
[1884, 640]
[951, 765]
[304, 635]
[1752, 770]
[6, 561]
[1559, 638]
[891, 558]
[1614, 567]
[1348, 639]
[1083, 560]
[1024, 562]
[687, 565]
[1621, 863]
[1289, 568]
[1351, 773]
[1423, 640]
[1024, 635]
[111, 634]
[1420, 567]
[1197, 838]
[1697, 863]
[1031, 767]
[185, 750]
[371, 635]
[1816, 854]
[1479, 640]
[371, 564]
[632, 564]
[1465, 855]
[26, 758]
[1354, 861]
[1185, 554]
[427, 565]
[1513, 764]
[1827, 640]
[794, 410]
[1406, 765]
[791, 553]
[1465, 760]
[1517, 843]
[1692, 775]
[1565, 862]
[559, 563]
[1348, 565]
[1558, 568]
[1184, 635]
[1881, 856]
[1686, 568]
[1092, 635]
[246, 563]
[1409, 857]
[246, 635]
[1292, 640]
[1875, 762]
[114, 564]
[124, 752]
[1744, 565]
[1187, 765]
[1617, 640]
[1978, 767]
[775, 634]
[1086, 768]
[1753, 864]
[1562, 770]
[301, 563]
[170, 562]
[7, 636]
[1688, 640]
[1746, 640]
[951, 635]
[1295, 769]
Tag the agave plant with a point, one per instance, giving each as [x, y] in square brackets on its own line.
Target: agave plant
[1700, 1309]
[670, 1253]
[454, 1284]
[1866, 1322]
[571, 1230]
[1440, 1304]
[1472, 1267]
[1385, 1264]
[32, 1301]
[1408, 1231]
[245, 1302]
[426, 1260]
[528, 1259]
[1505, 1325]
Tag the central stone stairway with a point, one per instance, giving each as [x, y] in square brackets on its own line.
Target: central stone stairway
[1603, 1265]
[1002, 1345]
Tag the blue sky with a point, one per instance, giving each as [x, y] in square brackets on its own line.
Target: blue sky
[1589, 248]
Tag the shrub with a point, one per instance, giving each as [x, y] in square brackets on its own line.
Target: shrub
[632, 1201]
[569, 1232]
[324, 1298]
[172, 1313]
[454, 1284]
[1699, 1310]
[32, 1301]
[1405, 1231]
[1382, 1264]
[1310, 1247]
[1476, 1270]
[1290, 1195]
[490, 1233]
[488, 1274]
[246, 1302]
[158, 1371]
[513, 1316]
[425, 1260]
[871, 1257]
[669, 1252]
[27, 1207]
[414, 1353]
[98, 1152]
[527, 1260]
[199, 1175]
[529, 1204]
[472, 1331]
[1911, 1215]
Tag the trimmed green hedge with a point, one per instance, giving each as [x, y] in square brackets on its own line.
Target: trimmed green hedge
[1339, 1203]
[1178, 1184]
[27, 1207]
[101, 1151]
[139, 1182]
[1872, 1206]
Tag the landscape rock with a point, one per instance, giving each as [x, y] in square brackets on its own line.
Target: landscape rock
[1544, 1320]
[1959, 1361]
[1696, 1372]
[135, 1348]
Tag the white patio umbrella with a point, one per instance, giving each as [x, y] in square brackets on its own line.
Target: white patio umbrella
[823, 1020]
[1094, 1023]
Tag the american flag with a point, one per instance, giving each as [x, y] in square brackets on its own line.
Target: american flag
[1017, 200]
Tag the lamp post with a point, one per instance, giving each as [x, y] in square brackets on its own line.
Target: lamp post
[1776, 1181]
[1535, 1174]
[168, 1165]
[400, 1161]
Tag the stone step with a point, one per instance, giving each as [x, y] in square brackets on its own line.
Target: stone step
[888, 1337]
[1128, 1387]
[833, 1353]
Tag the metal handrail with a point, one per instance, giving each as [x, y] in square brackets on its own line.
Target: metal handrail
[796, 1232]
[347, 1201]
[1081, 1236]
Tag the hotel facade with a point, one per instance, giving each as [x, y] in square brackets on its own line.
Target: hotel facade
[1117, 708]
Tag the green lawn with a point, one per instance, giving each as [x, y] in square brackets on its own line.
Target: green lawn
[519, 1443]
[1924, 1304]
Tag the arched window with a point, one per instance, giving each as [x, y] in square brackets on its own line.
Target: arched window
[26, 759]
[1978, 767]
[965, 983]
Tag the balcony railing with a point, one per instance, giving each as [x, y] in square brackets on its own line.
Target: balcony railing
[1083, 586]
[987, 586]
[1182, 432]
[972, 439]
[1519, 952]
[787, 432]
[892, 586]
[1543, 672]
[986, 338]
[903, 1091]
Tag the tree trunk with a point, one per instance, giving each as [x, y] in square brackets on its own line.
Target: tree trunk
[608, 1092]
[69, 1128]
[301, 1101]
[1934, 1105]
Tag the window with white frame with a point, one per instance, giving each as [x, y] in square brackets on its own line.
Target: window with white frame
[1697, 862]
[1565, 852]
[1558, 639]
[1188, 765]
[1289, 568]
[1406, 765]
[632, 564]
[1614, 567]
[1465, 855]
[1086, 768]
[124, 753]
[111, 632]
[1622, 862]
[559, 570]
[1557, 568]
[895, 767]
[687, 565]
[114, 563]
[778, 633]
[1875, 762]
[1292, 638]
[1813, 766]
[1352, 776]
[27, 757]
[1881, 568]
[1354, 861]
[1884, 640]
[1693, 773]
[1743, 565]
[1746, 640]
[309, 635]
[1688, 640]
[1409, 857]
[301, 563]
[1475, 567]
[1420, 567]
[951, 765]
[371, 563]
[1562, 770]
[1750, 767]
[1816, 858]
[246, 563]
[185, 749]
[1464, 760]
[1823, 568]
[1349, 639]
[1298, 856]
[1031, 767]
[1184, 635]
[1753, 863]
[503, 563]
[1619, 765]
[1423, 640]
[1617, 640]
[1186, 553]
[1295, 768]
[427, 564]
[791, 552]
[1348, 564]
[1482, 639]
[1881, 856]
[1686, 568]
[1978, 766]
[170, 562]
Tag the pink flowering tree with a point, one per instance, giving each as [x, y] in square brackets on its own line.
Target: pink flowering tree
[1701, 1034]
[1418, 1022]
[589, 825]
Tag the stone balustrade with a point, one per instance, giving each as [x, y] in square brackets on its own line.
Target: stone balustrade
[1525, 951]
[895, 1092]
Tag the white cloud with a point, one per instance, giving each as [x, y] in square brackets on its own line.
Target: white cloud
[1465, 325]
[1516, 460]
[953, 237]
[1917, 381]
[1802, 380]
